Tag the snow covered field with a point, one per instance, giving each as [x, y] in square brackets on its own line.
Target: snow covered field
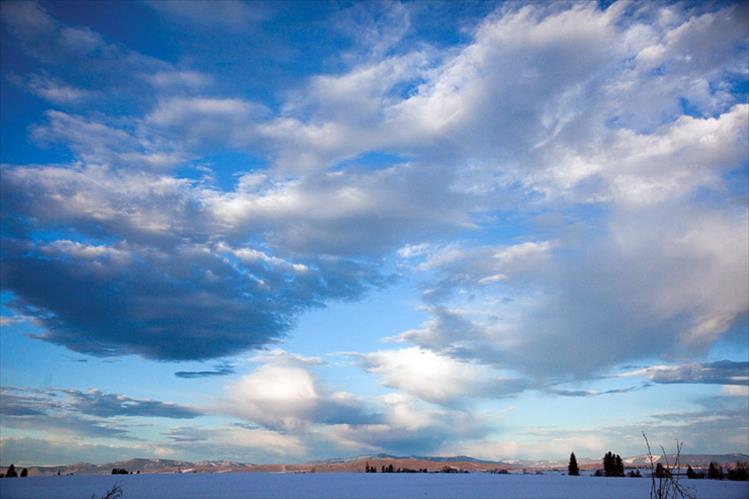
[352, 485]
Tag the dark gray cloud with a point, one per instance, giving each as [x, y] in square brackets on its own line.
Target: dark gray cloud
[174, 271]
[190, 303]
[108, 405]
[48, 410]
[78, 413]
[25, 403]
[169, 285]
[156, 309]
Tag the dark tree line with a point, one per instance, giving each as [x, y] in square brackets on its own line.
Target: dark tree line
[392, 469]
[12, 473]
[716, 472]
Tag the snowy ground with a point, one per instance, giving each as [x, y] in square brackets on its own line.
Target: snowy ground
[352, 485]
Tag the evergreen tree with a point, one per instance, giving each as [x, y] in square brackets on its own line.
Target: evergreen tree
[618, 466]
[738, 473]
[690, 473]
[572, 468]
[11, 473]
[661, 471]
[24, 473]
[608, 464]
[714, 472]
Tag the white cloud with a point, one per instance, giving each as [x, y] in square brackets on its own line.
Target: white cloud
[435, 377]
[276, 396]
[410, 427]
[457, 267]
[174, 78]
[546, 108]
[685, 155]
[84, 251]
[284, 394]
[97, 143]
[735, 390]
[625, 294]
[57, 92]
[279, 356]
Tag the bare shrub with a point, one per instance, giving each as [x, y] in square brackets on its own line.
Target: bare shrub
[664, 477]
[114, 493]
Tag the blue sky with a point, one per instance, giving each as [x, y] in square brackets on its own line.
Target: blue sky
[277, 232]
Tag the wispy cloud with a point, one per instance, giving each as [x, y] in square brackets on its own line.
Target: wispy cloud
[722, 372]
[230, 14]
[218, 370]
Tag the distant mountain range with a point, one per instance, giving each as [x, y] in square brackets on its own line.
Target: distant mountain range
[357, 464]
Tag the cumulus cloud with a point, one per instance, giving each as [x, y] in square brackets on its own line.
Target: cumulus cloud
[435, 377]
[410, 427]
[320, 239]
[623, 298]
[545, 108]
[283, 394]
[167, 263]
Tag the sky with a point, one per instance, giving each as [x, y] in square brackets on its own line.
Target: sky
[287, 231]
